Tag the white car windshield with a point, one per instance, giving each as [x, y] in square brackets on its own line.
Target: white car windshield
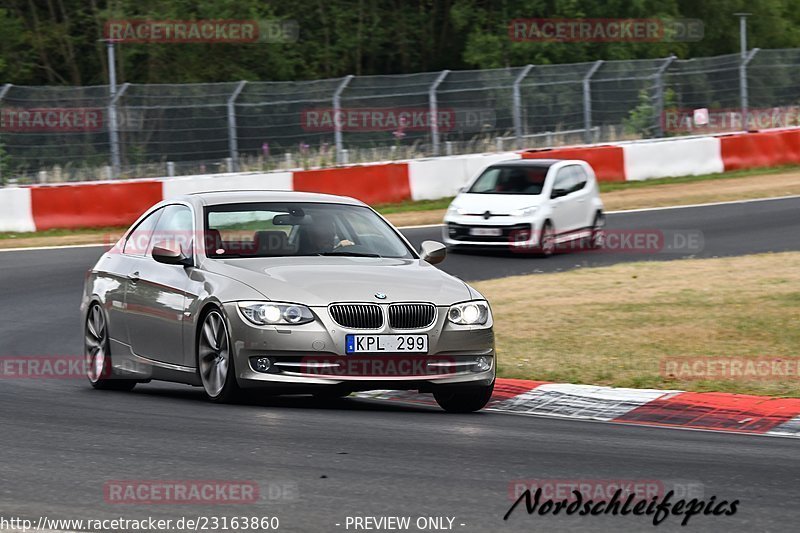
[511, 179]
[299, 229]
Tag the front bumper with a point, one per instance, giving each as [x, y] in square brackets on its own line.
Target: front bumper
[313, 355]
[514, 232]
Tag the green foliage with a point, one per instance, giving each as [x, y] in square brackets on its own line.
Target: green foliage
[642, 119]
[58, 42]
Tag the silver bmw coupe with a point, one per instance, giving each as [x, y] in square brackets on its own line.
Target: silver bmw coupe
[283, 292]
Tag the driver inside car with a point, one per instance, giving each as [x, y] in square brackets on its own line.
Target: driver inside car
[322, 236]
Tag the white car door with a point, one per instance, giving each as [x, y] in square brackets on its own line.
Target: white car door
[562, 200]
[583, 210]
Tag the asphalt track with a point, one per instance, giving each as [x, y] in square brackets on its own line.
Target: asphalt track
[61, 441]
[705, 231]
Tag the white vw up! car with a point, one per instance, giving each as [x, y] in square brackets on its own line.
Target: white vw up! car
[528, 205]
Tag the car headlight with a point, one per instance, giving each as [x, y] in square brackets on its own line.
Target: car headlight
[528, 211]
[469, 313]
[454, 210]
[271, 313]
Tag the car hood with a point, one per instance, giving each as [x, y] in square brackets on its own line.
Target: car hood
[496, 203]
[319, 281]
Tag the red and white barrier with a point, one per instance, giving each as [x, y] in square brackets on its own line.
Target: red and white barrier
[276, 181]
[674, 157]
[441, 177]
[761, 149]
[95, 204]
[712, 411]
[606, 160]
[16, 213]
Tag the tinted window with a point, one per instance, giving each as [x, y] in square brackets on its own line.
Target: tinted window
[174, 226]
[510, 180]
[565, 180]
[139, 239]
[299, 229]
[580, 177]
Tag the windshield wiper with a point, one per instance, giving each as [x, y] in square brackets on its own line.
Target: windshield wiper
[349, 254]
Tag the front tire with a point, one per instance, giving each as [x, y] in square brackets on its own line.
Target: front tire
[547, 240]
[215, 359]
[97, 353]
[466, 399]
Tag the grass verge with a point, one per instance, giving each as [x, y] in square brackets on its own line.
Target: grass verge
[614, 325]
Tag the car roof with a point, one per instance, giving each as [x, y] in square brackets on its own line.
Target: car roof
[258, 196]
[530, 162]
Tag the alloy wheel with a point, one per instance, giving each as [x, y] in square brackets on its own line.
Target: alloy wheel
[96, 342]
[214, 354]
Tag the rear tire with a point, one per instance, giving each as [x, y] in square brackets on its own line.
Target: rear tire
[466, 399]
[215, 359]
[97, 353]
[598, 237]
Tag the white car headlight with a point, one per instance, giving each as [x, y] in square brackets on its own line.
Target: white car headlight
[528, 211]
[469, 313]
[271, 313]
[455, 210]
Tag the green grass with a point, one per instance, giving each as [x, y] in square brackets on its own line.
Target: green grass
[419, 205]
[60, 232]
[614, 325]
[610, 186]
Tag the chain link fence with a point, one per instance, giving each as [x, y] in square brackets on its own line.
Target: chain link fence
[55, 134]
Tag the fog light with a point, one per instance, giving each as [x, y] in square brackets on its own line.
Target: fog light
[261, 364]
[482, 364]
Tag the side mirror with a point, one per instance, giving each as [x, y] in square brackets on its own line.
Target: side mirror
[170, 253]
[558, 193]
[433, 252]
[462, 189]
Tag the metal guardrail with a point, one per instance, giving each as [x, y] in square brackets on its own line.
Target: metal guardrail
[83, 133]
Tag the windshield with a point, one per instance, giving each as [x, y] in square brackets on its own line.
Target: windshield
[510, 180]
[299, 229]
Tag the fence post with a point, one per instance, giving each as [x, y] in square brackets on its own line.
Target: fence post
[659, 107]
[113, 134]
[517, 103]
[337, 121]
[587, 102]
[743, 85]
[3, 92]
[113, 131]
[233, 141]
[433, 109]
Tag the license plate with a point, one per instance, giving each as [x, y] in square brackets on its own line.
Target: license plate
[386, 344]
[486, 232]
